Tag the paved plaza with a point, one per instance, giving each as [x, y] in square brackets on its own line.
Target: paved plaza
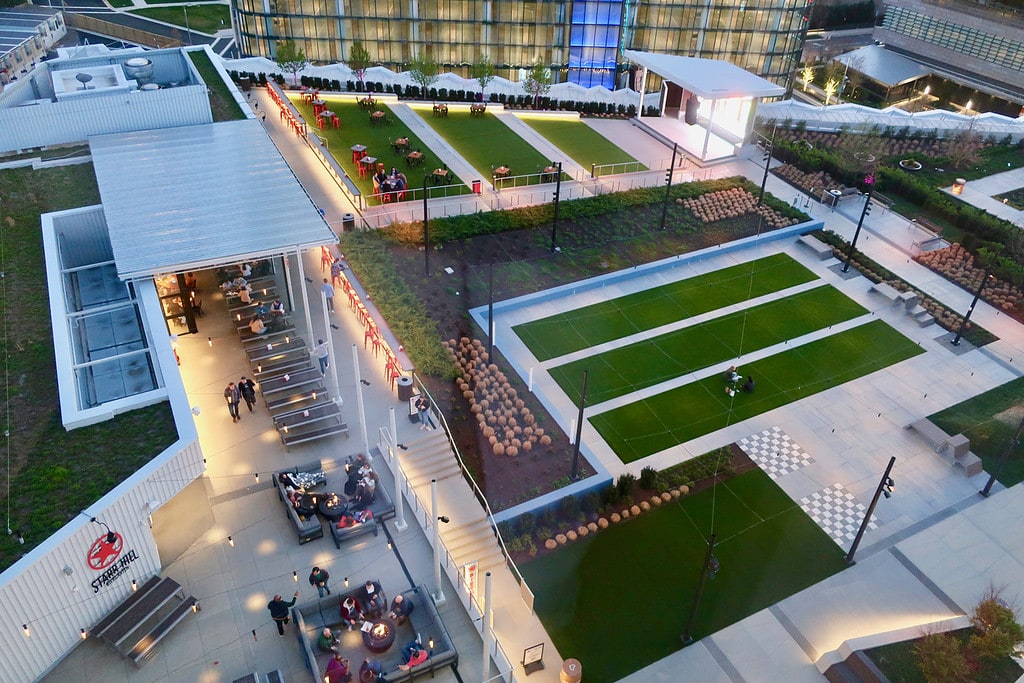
[932, 551]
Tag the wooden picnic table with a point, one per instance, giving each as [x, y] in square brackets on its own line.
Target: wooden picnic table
[502, 172]
[441, 110]
[277, 350]
[441, 175]
[377, 117]
[477, 109]
[400, 144]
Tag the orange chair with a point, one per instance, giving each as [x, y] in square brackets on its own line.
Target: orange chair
[337, 122]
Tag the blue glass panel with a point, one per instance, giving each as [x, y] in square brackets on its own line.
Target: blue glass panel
[594, 42]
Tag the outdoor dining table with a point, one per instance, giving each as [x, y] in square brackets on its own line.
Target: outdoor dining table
[367, 102]
[477, 109]
[440, 110]
[414, 158]
[502, 172]
[442, 175]
[358, 152]
[549, 174]
[377, 117]
[318, 105]
[400, 144]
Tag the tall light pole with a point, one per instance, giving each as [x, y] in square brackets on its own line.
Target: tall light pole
[579, 430]
[436, 520]
[998, 469]
[869, 180]
[710, 567]
[885, 486]
[974, 302]
[557, 198]
[668, 185]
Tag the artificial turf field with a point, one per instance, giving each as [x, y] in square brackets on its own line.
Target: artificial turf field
[678, 415]
[617, 372]
[583, 327]
[619, 600]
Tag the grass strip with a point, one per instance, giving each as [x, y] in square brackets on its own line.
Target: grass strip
[222, 103]
[638, 578]
[578, 329]
[206, 19]
[486, 143]
[617, 372]
[583, 144]
[676, 416]
[356, 129]
[990, 420]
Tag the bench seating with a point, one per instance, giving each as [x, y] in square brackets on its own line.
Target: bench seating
[306, 528]
[383, 509]
[308, 433]
[295, 346]
[299, 400]
[928, 226]
[823, 251]
[237, 306]
[958, 445]
[299, 378]
[264, 371]
[242, 326]
[888, 291]
[144, 648]
[144, 618]
[311, 617]
[253, 341]
[310, 424]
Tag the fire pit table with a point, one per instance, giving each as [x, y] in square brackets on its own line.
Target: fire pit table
[379, 634]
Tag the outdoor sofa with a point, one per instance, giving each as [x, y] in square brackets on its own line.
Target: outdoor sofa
[308, 527]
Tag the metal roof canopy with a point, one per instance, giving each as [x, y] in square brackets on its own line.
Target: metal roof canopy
[709, 79]
[197, 197]
[884, 66]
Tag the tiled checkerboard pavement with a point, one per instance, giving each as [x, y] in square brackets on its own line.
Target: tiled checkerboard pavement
[775, 453]
[837, 512]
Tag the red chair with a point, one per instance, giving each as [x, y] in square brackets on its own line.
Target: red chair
[320, 122]
[337, 122]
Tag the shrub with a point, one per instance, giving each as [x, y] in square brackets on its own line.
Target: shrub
[507, 529]
[548, 518]
[941, 659]
[569, 508]
[649, 478]
[625, 484]
[527, 523]
[591, 502]
[996, 631]
[706, 465]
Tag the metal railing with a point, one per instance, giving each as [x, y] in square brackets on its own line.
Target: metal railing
[499, 183]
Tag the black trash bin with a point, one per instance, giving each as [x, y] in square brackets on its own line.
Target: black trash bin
[348, 222]
[245, 84]
[404, 388]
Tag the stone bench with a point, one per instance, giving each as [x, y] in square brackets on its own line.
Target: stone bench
[822, 250]
[887, 291]
[958, 445]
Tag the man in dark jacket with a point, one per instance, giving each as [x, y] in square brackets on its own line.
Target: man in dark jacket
[318, 579]
[247, 389]
[279, 611]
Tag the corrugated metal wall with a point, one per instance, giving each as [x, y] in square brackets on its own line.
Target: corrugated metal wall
[53, 123]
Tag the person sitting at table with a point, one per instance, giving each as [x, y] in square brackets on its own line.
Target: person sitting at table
[286, 480]
[748, 386]
[261, 309]
[401, 608]
[385, 186]
[380, 176]
[370, 670]
[338, 670]
[366, 492]
[328, 641]
[277, 308]
[375, 602]
[351, 613]
[245, 294]
[256, 325]
[399, 183]
[246, 270]
[238, 283]
[300, 503]
[346, 521]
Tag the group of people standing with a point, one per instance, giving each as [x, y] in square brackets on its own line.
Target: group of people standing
[234, 394]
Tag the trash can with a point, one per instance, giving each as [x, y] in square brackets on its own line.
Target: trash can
[476, 187]
[245, 84]
[348, 222]
[572, 671]
[404, 388]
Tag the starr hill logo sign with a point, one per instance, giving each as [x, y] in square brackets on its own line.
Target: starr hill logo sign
[110, 559]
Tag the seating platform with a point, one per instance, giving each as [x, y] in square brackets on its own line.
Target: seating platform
[134, 627]
[300, 379]
[823, 251]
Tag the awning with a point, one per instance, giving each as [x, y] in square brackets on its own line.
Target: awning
[709, 79]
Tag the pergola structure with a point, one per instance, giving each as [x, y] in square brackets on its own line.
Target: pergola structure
[722, 99]
[889, 74]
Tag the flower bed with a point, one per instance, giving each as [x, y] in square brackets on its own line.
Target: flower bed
[732, 203]
[957, 264]
[807, 182]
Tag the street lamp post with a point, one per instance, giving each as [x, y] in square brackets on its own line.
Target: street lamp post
[869, 180]
[1002, 460]
[885, 486]
[188, 31]
[574, 475]
[974, 302]
[710, 567]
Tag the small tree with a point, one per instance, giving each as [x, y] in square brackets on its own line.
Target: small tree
[833, 80]
[941, 659]
[807, 75]
[964, 150]
[854, 76]
[290, 58]
[483, 72]
[996, 631]
[359, 60]
[538, 82]
[423, 70]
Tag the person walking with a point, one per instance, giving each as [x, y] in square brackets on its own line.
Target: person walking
[233, 397]
[423, 407]
[247, 388]
[336, 269]
[279, 611]
[318, 579]
[328, 291]
[320, 351]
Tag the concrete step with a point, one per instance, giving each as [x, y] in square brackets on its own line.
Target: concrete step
[922, 316]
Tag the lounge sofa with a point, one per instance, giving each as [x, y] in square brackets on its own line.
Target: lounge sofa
[311, 617]
[383, 508]
[308, 527]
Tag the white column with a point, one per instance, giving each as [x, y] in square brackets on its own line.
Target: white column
[288, 280]
[641, 85]
[438, 593]
[486, 618]
[305, 296]
[332, 356]
[707, 130]
[396, 471]
[359, 399]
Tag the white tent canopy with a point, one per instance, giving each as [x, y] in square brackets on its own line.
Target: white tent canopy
[710, 79]
[194, 197]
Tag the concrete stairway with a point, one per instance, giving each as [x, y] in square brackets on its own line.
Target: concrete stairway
[429, 457]
[473, 541]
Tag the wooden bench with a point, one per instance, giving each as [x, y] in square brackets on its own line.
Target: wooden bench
[246, 334]
[237, 307]
[265, 371]
[277, 350]
[151, 600]
[248, 678]
[928, 226]
[144, 648]
[323, 410]
[106, 622]
[256, 340]
[292, 438]
[823, 251]
[142, 620]
[887, 291]
[300, 400]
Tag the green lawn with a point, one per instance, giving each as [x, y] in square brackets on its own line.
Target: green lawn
[486, 143]
[222, 104]
[578, 329]
[617, 372]
[202, 18]
[633, 583]
[357, 130]
[581, 142]
[676, 416]
[990, 420]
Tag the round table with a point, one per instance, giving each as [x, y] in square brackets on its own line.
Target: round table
[332, 505]
[380, 636]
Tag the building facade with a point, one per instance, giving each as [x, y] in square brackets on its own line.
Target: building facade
[582, 41]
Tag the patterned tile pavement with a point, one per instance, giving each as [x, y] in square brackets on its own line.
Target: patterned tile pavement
[837, 512]
[775, 453]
